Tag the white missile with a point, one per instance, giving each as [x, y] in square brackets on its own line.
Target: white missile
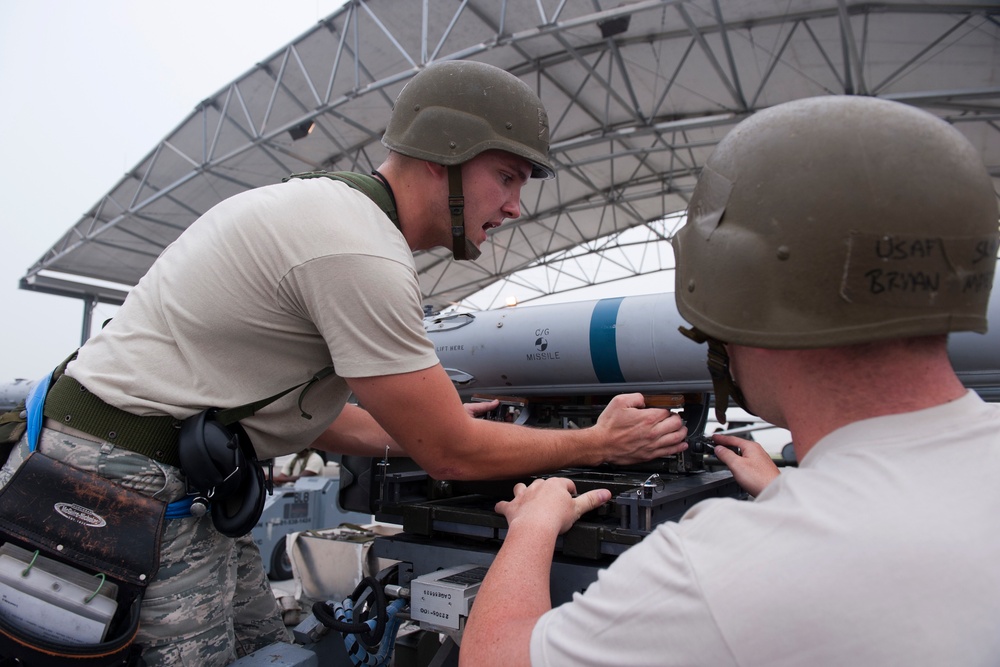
[606, 346]
[623, 344]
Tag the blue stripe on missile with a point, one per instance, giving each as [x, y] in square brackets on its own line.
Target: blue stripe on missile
[603, 346]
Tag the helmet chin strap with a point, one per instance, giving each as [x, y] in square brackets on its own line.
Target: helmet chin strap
[724, 385]
[461, 247]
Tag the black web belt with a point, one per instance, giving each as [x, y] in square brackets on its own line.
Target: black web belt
[69, 403]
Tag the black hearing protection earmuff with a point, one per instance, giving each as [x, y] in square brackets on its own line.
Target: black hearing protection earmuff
[220, 464]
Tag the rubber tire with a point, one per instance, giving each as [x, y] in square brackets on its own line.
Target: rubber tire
[281, 564]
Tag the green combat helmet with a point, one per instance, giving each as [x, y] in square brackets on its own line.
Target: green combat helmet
[454, 110]
[832, 221]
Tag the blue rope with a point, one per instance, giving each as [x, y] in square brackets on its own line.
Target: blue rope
[344, 612]
[180, 509]
[34, 405]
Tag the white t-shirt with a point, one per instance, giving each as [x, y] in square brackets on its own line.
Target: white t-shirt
[882, 548]
[264, 290]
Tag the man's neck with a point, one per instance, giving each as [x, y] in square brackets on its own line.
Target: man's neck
[844, 388]
[410, 185]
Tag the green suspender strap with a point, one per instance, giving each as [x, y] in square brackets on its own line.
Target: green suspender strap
[374, 188]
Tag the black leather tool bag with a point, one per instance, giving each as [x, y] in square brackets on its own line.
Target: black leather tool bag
[99, 528]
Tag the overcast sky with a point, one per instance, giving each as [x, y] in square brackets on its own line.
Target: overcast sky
[88, 88]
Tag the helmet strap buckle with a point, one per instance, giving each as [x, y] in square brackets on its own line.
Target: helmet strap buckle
[723, 384]
[460, 247]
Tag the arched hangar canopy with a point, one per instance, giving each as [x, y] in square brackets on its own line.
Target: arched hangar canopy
[638, 94]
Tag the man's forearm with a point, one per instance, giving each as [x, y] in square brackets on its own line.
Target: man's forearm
[423, 412]
[355, 432]
[501, 451]
[513, 597]
[515, 593]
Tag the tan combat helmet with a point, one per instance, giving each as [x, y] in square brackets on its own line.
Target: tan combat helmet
[837, 220]
[454, 110]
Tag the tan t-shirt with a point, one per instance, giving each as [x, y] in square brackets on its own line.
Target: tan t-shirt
[264, 290]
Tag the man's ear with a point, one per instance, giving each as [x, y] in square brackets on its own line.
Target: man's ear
[436, 170]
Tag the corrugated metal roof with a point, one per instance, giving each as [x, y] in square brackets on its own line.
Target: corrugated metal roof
[638, 94]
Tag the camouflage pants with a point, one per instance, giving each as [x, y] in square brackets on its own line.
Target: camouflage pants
[210, 602]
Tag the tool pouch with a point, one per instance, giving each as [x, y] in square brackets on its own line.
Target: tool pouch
[96, 527]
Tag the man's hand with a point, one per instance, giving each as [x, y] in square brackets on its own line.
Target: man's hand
[515, 592]
[481, 408]
[633, 433]
[549, 505]
[754, 470]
